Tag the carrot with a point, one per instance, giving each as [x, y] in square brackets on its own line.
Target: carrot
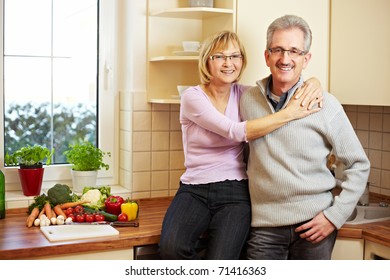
[53, 213]
[59, 211]
[41, 213]
[31, 218]
[47, 208]
[67, 205]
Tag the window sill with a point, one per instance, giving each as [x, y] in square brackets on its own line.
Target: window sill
[16, 199]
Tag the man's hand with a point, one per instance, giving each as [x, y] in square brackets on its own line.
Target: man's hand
[317, 229]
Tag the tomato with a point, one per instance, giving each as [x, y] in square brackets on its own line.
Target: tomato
[99, 217]
[78, 209]
[69, 211]
[122, 217]
[89, 218]
[73, 216]
[80, 218]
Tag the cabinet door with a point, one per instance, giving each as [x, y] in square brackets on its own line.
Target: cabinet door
[253, 19]
[348, 249]
[360, 56]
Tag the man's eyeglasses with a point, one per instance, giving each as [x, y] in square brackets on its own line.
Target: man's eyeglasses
[293, 53]
[223, 58]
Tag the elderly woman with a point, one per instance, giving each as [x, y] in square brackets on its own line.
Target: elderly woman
[213, 194]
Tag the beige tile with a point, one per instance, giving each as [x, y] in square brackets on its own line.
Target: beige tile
[160, 141]
[175, 121]
[175, 107]
[363, 136]
[352, 116]
[376, 122]
[363, 108]
[375, 158]
[160, 121]
[140, 102]
[141, 195]
[386, 160]
[125, 120]
[160, 107]
[386, 123]
[174, 181]
[386, 109]
[375, 177]
[375, 141]
[385, 179]
[125, 160]
[141, 141]
[386, 141]
[125, 140]
[141, 161]
[142, 121]
[176, 142]
[177, 160]
[160, 180]
[141, 181]
[159, 193]
[125, 179]
[125, 101]
[385, 192]
[376, 109]
[160, 161]
[363, 121]
[375, 190]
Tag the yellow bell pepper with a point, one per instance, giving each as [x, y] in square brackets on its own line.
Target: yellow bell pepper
[130, 208]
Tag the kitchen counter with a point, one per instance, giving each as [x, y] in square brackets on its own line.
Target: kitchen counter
[19, 242]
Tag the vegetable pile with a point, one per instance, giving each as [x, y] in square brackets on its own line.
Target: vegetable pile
[61, 206]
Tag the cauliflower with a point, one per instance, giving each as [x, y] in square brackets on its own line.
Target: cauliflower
[94, 196]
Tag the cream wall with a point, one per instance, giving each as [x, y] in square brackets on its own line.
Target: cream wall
[254, 18]
[151, 154]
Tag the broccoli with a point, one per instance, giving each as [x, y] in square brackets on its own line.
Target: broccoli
[59, 194]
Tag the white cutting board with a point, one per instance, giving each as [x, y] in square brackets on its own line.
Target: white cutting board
[72, 232]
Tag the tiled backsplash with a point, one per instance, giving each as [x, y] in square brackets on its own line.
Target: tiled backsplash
[152, 153]
[372, 125]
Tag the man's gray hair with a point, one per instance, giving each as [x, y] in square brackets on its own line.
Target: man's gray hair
[288, 22]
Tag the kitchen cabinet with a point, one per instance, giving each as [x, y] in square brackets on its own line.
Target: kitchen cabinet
[359, 54]
[169, 23]
[376, 251]
[123, 254]
[253, 19]
[348, 249]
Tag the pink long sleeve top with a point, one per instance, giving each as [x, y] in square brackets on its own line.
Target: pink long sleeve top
[212, 142]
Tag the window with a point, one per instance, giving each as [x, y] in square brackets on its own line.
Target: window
[50, 73]
[53, 81]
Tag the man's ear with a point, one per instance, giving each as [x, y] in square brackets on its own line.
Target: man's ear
[266, 56]
[306, 60]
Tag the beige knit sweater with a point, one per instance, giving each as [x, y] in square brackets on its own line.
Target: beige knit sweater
[289, 180]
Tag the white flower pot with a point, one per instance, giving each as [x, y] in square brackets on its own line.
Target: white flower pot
[83, 179]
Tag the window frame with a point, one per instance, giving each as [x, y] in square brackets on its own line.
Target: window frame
[108, 127]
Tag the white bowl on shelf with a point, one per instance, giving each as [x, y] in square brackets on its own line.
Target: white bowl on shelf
[191, 46]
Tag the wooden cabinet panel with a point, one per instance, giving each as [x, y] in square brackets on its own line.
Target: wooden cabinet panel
[359, 52]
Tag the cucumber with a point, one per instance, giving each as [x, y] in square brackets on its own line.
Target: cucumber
[107, 216]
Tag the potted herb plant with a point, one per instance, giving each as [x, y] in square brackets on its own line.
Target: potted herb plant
[86, 160]
[30, 160]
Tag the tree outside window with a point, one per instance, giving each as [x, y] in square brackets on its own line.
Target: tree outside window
[50, 73]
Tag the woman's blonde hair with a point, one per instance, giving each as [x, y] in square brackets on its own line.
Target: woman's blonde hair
[214, 43]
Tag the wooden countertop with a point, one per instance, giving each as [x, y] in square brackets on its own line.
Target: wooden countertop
[19, 242]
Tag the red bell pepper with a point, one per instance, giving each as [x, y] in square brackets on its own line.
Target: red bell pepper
[113, 204]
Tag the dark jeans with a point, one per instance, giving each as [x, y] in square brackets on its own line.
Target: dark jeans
[222, 209]
[283, 243]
